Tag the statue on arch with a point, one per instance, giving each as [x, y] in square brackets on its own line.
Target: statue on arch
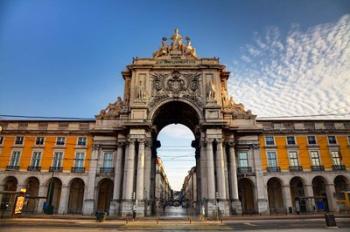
[211, 90]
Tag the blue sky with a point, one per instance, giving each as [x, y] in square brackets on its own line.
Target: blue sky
[64, 58]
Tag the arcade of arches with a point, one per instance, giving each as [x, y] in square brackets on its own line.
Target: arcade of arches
[237, 155]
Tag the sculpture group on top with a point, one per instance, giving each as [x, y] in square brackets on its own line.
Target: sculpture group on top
[176, 47]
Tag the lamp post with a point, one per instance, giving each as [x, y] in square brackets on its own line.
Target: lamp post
[133, 206]
[145, 202]
[217, 205]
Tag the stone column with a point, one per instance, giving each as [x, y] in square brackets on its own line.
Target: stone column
[287, 201]
[203, 172]
[235, 202]
[310, 204]
[147, 178]
[220, 171]
[89, 193]
[140, 179]
[130, 171]
[42, 193]
[211, 207]
[118, 174]
[211, 175]
[261, 191]
[140, 171]
[63, 207]
[129, 184]
[221, 180]
[332, 203]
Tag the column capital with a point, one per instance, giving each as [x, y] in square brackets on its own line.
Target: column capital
[96, 146]
[121, 143]
[131, 140]
[141, 141]
[148, 142]
[209, 140]
[254, 146]
[230, 143]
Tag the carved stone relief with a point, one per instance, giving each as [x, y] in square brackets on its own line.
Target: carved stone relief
[175, 84]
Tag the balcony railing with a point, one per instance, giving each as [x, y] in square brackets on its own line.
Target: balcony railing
[78, 169]
[295, 168]
[273, 169]
[317, 168]
[12, 168]
[244, 170]
[338, 167]
[34, 168]
[55, 169]
[106, 171]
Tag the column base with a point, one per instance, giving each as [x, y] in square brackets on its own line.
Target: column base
[127, 207]
[215, 209]
[236, 206]
[114, 208]
[140, 208]
[89, 207]
[263, 206]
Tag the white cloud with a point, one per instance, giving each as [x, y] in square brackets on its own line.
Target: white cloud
[301, 73]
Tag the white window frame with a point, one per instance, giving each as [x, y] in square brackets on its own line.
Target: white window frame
[77, 161]
[290, 159]
[109, 160]
[33, 156]
[308, 142]
[36, 140]
[339, 159]
[295, 141]
[54, 159]
[16, 140]
[17, 160]
[59, 138]
[268, 160]
[312, 158]
[239, 159]
[273, 138]
[336, 141]
[78, 140]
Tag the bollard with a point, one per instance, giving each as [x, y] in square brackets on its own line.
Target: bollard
[330, 220]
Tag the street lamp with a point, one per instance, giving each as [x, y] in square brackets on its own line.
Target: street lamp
[217, 205]
[133, 206]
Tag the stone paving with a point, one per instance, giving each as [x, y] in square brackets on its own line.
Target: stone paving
[295, 225]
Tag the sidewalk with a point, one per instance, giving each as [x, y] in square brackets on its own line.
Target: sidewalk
[196, 218]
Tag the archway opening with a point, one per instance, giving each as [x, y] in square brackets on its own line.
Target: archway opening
[178, 159]
[76, 196]
[10, 186]
[246, 195]
[32, 185]
[105, 194]
[298, 194]
[54, 193]
[175, 126]
[274, 190]
[320, 194]
[341, 184]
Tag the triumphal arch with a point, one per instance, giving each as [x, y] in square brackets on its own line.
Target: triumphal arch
[174, 86]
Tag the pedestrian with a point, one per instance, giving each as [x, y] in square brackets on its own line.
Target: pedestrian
[297, 206]
[203, 213]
